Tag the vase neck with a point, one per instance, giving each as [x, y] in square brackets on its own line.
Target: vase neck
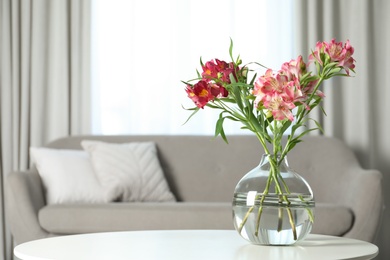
[275, 159]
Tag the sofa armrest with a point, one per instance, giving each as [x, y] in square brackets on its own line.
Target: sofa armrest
[363, 194]
[24, 198]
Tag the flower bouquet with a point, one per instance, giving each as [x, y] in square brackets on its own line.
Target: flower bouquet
[273, 106]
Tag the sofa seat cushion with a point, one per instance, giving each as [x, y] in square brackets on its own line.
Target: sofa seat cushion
[334, 220]
[86, 218]
[73, 219]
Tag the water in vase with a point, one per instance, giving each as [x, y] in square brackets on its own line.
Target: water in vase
[272, 223]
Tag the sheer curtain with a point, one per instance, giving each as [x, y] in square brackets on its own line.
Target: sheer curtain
[44, 75]
[357, 107]
[143, 49]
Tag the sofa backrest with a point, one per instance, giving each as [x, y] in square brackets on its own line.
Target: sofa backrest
[204, 168]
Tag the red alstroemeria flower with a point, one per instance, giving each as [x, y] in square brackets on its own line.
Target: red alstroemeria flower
[210, 71]
[218, 91]
[203, 92]
[200, 93]
[218, 70]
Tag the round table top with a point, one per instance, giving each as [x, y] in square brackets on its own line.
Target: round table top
[188, 244]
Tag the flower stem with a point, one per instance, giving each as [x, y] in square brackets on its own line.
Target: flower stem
[245, 219]
[261, 205]
[291, 218]
[274, 176]
[280, 219]
[259, 213]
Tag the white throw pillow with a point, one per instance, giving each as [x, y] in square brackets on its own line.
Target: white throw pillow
[67, 176]
[129, 171]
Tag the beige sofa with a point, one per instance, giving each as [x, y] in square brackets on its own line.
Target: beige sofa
[202, 172]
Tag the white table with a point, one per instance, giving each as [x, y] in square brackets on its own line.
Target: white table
[188, 244]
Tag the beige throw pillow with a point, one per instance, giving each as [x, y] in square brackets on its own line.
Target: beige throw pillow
[129, 171]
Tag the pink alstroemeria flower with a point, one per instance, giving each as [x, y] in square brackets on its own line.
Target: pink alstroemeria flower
[334, 52]
[294, 69]
[269, 83]
[348, 62]
[293, 93]
[318, 54]
[279, 108]
[277, 94]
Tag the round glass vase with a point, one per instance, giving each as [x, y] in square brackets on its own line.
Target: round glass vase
[272, 204]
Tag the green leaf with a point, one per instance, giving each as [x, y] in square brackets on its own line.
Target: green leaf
[231, 49]
[190, 109]
[323, 110]
[334, 70]
[292, 144]
[296, 126]
[196, 109]
[285, 126]
[210, 105]
[319, 127]
[186, 83]
[330, 66]
[310, 130]
[318, 67]
[228, 100]
[317, 100]
[197, 72]
[238, 84]
[340, 75]
[237, 94]
[232, 118]
[261, 65]
[224, 137]
[219, 127]
[238, 60]
[233, 80]
[253, 79]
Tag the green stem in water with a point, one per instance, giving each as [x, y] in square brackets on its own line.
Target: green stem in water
[258, 220]
[291, 218]
[274, 175]
[245, 219]
[309, 211]
[280, 216]
[259, 213]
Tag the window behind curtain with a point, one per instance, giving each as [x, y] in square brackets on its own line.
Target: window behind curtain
[142, 49]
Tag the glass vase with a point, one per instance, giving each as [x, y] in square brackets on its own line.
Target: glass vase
[272, 204]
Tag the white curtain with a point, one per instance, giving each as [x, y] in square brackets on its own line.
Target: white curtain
[143, 49]
[357, 108]
[44, 81]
